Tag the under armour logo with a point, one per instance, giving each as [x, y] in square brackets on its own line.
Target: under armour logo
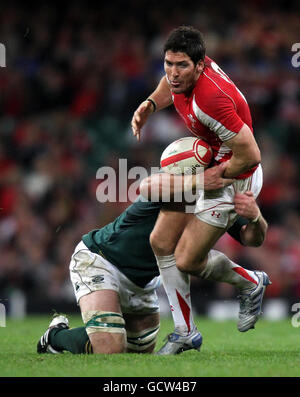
[216, 214]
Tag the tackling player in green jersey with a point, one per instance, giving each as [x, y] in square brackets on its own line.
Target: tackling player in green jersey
[114, 275]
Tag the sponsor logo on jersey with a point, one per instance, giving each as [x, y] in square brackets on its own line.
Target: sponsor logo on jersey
[98, 279]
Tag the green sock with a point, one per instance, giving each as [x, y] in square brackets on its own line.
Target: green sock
[74, 340]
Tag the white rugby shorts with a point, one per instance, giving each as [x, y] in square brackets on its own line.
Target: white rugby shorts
[90, 272]
[216, 207]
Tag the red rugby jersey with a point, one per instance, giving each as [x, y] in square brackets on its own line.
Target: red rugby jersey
[215, 111]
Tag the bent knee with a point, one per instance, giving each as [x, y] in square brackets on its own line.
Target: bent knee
[106, 331]
[183, 266]
[161, 246]
[189, 265]
[142, 341]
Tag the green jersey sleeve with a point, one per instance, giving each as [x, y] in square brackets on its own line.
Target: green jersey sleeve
[235, 229]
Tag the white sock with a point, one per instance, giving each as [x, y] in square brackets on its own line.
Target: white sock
[220, 268]
[177, 287]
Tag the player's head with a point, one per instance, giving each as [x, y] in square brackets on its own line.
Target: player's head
[188, 40]
[184, 58]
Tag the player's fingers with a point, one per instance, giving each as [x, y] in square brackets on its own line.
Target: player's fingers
[239, 208]
[136, 117]
[135, 123]
[136, 133]
[134, 127]
[239, 202]
[222, 167]
[249, 193]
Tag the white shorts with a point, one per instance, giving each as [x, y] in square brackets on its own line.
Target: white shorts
[90, 272]
[216, 207]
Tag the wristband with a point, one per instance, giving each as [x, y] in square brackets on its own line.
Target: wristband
[153, 104]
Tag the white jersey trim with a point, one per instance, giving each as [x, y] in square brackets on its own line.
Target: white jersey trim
[217, 85]
[222, 151]
[230, 82]
[223, 133]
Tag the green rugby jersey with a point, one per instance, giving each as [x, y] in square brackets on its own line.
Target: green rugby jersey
[125, 241]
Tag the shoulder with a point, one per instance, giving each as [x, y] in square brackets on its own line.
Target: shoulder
[214, 83]
[210, 97]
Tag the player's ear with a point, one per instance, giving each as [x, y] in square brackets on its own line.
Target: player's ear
[200, 66]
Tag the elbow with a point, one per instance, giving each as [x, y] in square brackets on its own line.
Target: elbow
[254, 159]
[257, 159]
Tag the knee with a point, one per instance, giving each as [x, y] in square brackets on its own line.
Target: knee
[183, 265]
[161, 245]
[189, 265]
[106, 331]
[142, 341]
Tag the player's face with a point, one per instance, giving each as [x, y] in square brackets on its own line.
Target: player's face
[182, 73]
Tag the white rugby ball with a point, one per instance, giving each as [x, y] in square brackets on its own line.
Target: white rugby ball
[186, 156]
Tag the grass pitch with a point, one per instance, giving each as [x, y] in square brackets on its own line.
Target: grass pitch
[271, 350]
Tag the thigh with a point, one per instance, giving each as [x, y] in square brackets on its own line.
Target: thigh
[104, 306]
[106, 300]
[196, 241]
[167, 231]
[89, 272]
[142, 330]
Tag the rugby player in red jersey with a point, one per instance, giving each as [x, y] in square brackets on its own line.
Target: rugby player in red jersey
[214, 109]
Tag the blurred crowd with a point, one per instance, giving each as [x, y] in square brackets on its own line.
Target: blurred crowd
[74, 76]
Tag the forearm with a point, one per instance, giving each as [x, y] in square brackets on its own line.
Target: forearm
[163, 186]
[162, 95]
[245, 153]
[237, 166]
[254, 233]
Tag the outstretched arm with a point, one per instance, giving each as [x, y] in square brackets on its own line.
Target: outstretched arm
[154, 187]
[159, 99]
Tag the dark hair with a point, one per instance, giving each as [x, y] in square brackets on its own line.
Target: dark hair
[188, 40]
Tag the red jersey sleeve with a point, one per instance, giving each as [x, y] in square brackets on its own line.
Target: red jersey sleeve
[218, 113]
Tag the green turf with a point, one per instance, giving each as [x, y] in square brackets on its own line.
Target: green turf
[272, 350]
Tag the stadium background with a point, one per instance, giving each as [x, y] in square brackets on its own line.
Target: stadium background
[74, 76]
